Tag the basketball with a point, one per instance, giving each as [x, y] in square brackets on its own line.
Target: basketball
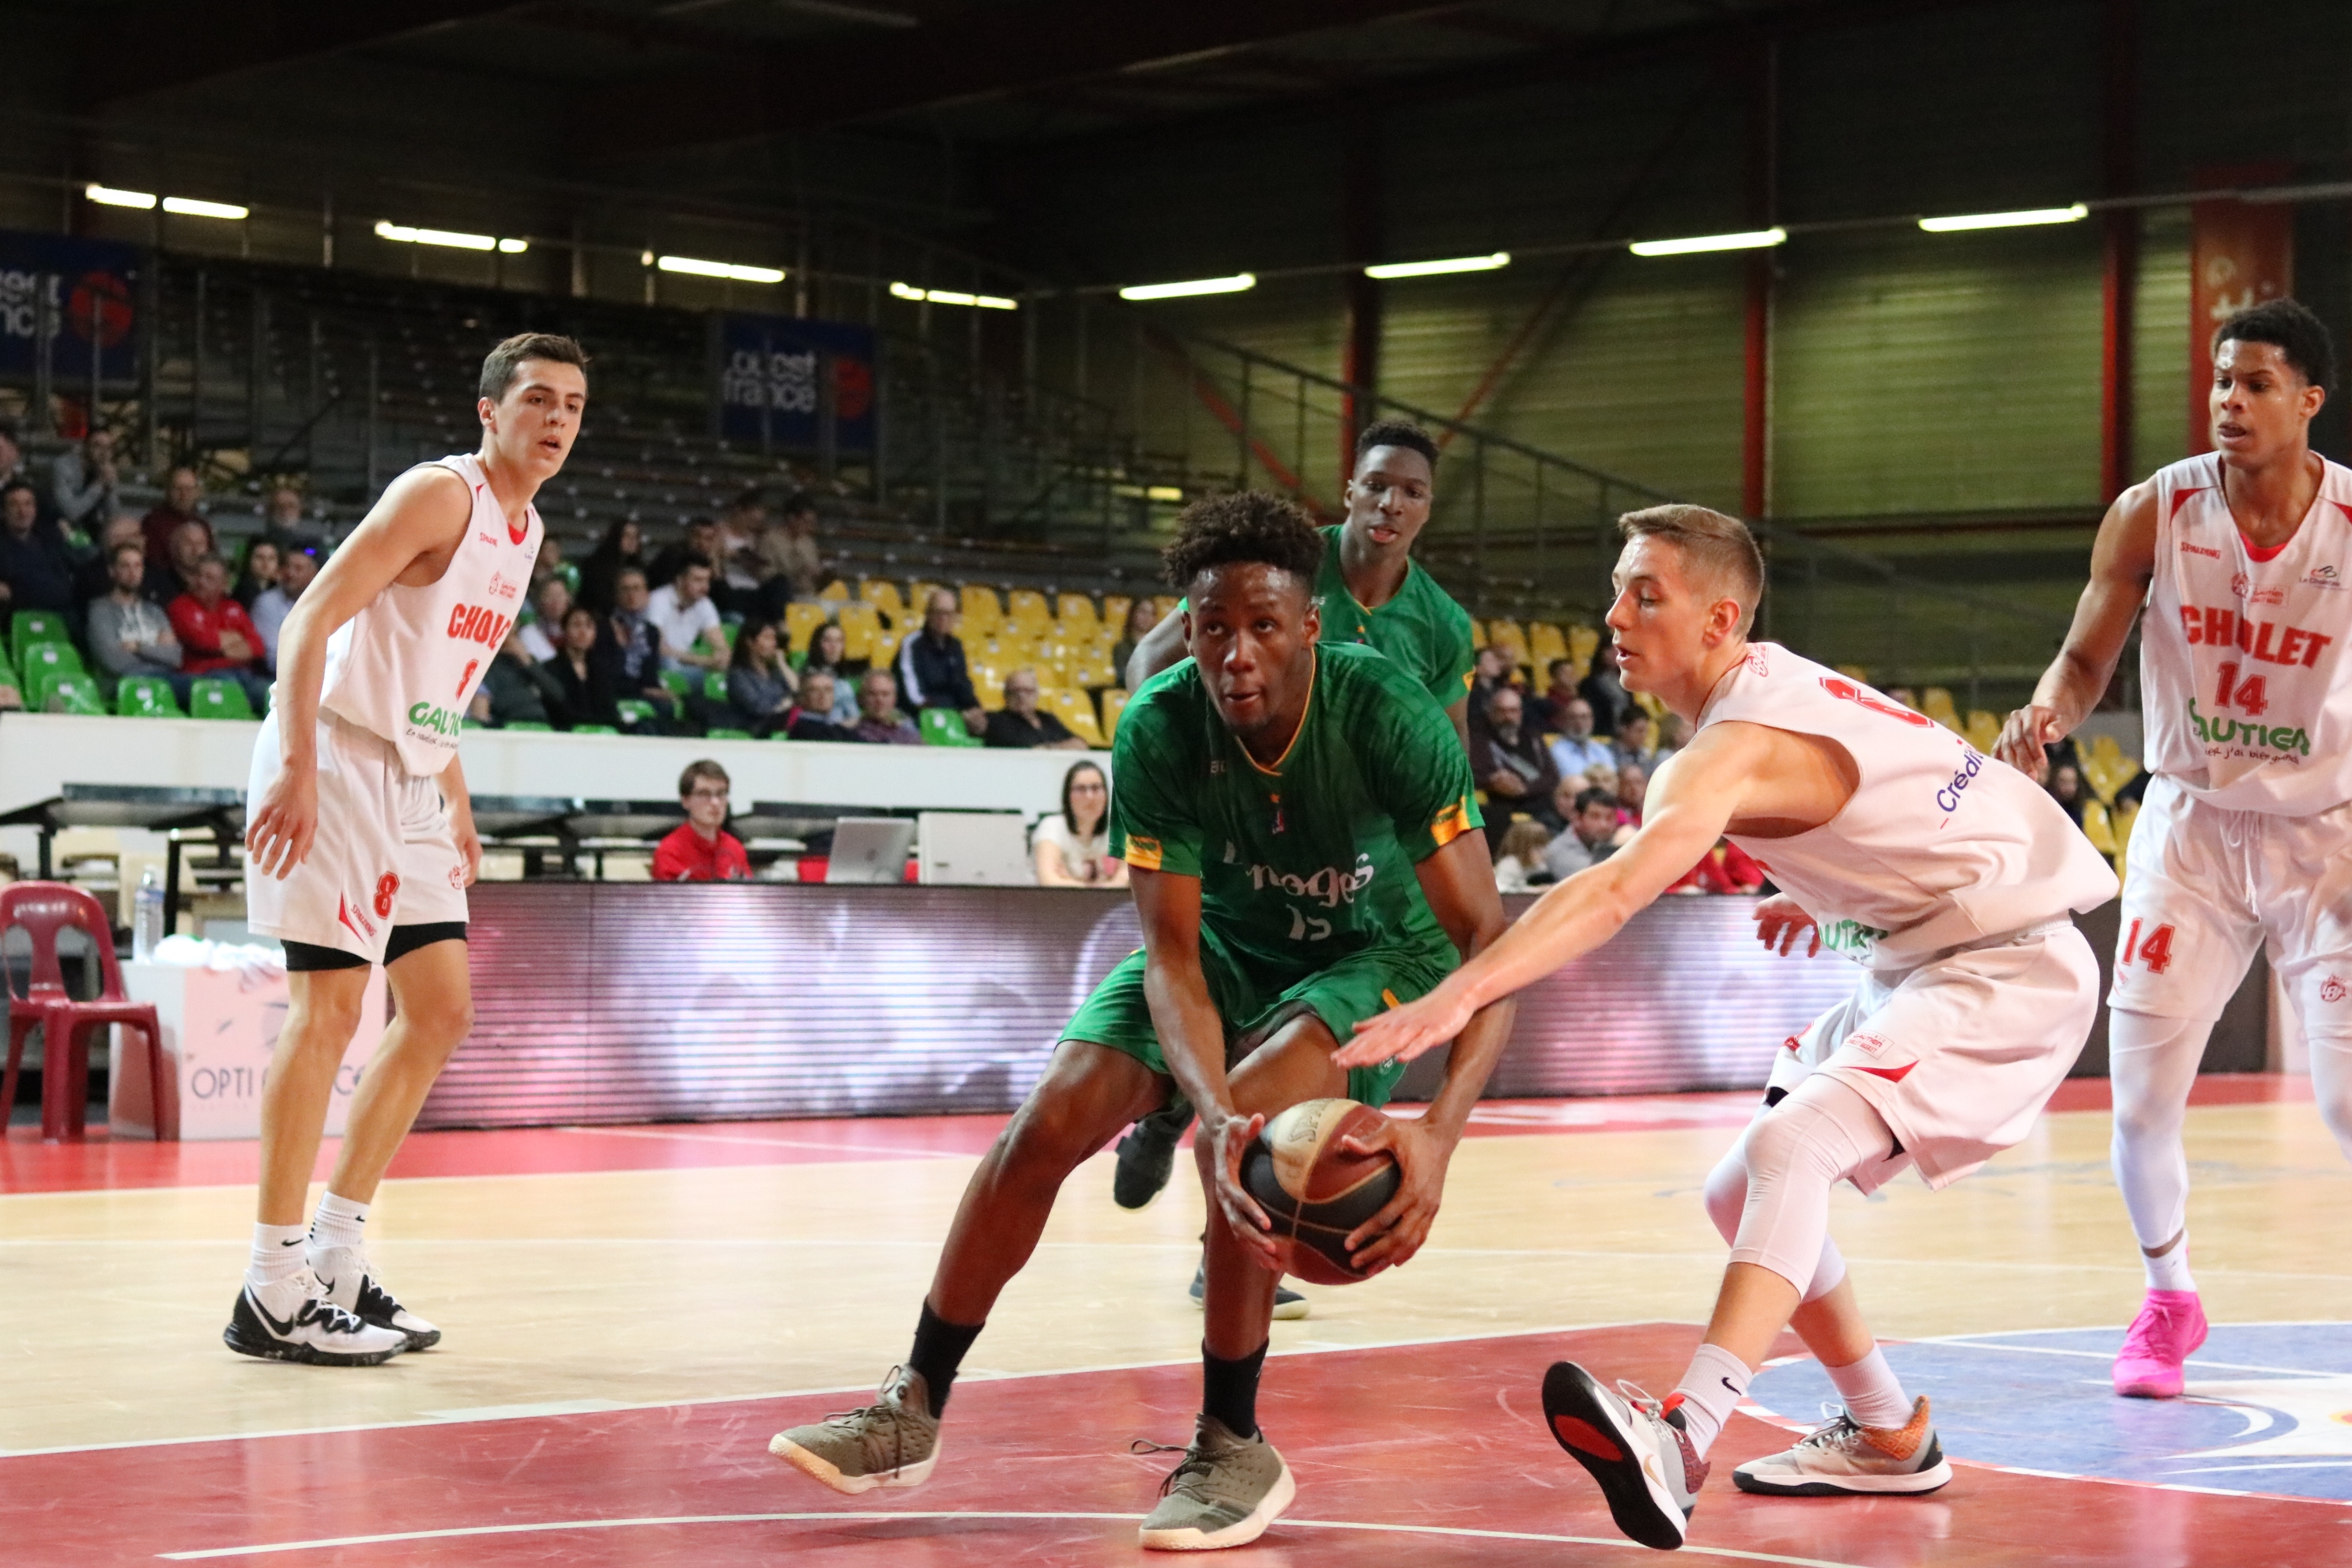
[1315, 1191]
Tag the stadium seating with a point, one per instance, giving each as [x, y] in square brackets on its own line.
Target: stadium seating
[72, 694]
[2106, 768]
[944, 726]
[1114, 703]
[635, 711]
[214, 699]
[146, 697]
[30, 626]
[1071, 707]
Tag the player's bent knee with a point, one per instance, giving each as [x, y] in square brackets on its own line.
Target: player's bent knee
[1725, 1192]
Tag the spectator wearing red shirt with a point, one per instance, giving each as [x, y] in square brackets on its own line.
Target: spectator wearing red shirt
[700, 849]
[217, 638]
[1728, 869]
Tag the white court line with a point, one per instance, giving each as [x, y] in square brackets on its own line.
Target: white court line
[969, 1376]
[866, 1517]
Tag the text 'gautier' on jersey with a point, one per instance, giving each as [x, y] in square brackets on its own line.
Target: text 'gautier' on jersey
[2242, 651]
[1940, 845]
[405, 667]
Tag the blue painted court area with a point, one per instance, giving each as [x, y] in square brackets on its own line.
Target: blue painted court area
[2268, 1406]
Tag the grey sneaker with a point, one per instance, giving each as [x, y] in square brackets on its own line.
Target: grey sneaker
[1289, 1306]
[893, 1442]
[1845, 1457]
[1634, 1447]
[1146, 1156]
[1225, 1493]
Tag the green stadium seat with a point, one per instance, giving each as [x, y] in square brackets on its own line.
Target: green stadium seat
[41, 660]
[730, 735]
[71, 694]
[679, 681]
[527, 724]
[30, 626]
[146, 697]
[944, 726]
[218, 699]
[593, 729]
[570, 576]
[714, 685]
[633, 710]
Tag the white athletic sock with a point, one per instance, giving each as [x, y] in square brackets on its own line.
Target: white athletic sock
[1716, 1382]
[339, 1223]
[2170, 1273]
[278, 1254]
[1873, 1394]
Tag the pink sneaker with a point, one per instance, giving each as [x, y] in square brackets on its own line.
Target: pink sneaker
[2170, 1328]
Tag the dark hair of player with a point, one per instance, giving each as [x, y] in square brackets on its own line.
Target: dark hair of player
[1250, 526]
[500, 367]
[700, 768]
[1397, 433]
[2299, 335]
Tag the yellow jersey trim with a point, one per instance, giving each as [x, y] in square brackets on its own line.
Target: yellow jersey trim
[1315, 669]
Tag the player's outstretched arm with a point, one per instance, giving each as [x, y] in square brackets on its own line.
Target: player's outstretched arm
[421, 513]
[1162, 645]
[2122, 561]
[1192, 1041]
[1458, 880]
[1689, 806]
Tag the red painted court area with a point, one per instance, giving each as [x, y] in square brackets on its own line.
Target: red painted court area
[1426, 1455]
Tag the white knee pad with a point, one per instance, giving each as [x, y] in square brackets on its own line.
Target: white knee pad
[1726, 1200]
[1793, 1155]
[2151, 1067]
[2331, 1083]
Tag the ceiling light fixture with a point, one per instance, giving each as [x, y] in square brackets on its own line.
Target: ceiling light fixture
[1752, 239]
[1436, 269]
[1234, 285]
[2005, 220]
[404, 235]
[732, 271]
[189, 206]
[952, 296]
[107, 197]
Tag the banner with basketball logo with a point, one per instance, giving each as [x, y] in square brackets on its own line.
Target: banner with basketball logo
[91, 290]
[2240, 254]
[782, 380]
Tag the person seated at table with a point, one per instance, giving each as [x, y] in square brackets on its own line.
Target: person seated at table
[515, 689]
[761, 685]
[586, 674]
[1071, 847]
[827, 651]
[879, 722]
[1020, 723]
[700, 849]
[217, 638]
[811, 716]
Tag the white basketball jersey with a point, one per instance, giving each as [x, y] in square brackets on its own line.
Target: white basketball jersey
[2244, 680]
[1939, 845]
[405, 667]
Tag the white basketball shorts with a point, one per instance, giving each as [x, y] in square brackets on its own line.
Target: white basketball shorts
[384, 854]
[1959, 1054]
[2203, 888]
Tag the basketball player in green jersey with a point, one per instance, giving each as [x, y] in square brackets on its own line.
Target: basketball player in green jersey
[1368, 591]
[1302, 834]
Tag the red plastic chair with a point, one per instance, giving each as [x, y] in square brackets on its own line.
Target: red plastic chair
[45, 908]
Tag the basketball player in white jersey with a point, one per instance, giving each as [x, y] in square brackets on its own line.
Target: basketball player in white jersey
[2238, 567]
[1949, 878]
[361, 843]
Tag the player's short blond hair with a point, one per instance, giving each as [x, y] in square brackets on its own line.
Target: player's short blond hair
[1720, 550]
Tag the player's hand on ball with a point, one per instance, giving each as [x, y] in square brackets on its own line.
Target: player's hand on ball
[1403, 1033]
[1779, 923]
[1393, 1236]
[2028, 729]
[1233, 1135]
[282, 828]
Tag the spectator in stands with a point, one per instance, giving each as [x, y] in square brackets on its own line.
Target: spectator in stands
[1490, 672]
[1020, 723]
[1632, 790]
[1519, 863]
[622, 545]
[129, 633]
[1905, 696]
[813, 717]
[700, 543]
[34, 572]
[1592, 836]
[515, 688]
[761, 685]
[635, 646]
[1605, 691]
[176, 573]
[82, 482]
[1576, 750]
[1071, 847]
[931, 670]
[700, 849]
[183, 493]
[736, 588]
[827, 652]
[2066, 787]
[682, 611]
[548, 602]
[1674, 734]
[1142, 616]
[1633, 747]
[792, 565]
[549, 562]
[217, 638]
[1550, 711]
[587, 670]
[282, 523]
[1728, 869]
[12, 455]
[270, 610]
[879, 723]
[95, 577]
[260, 575]
[1511, 763]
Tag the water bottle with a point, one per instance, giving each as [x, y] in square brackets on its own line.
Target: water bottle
[147, 916]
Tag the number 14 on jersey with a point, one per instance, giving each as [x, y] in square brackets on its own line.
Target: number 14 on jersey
[2155, 951]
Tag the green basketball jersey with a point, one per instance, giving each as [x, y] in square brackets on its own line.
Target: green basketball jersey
[1307, 861]
[1422, 629]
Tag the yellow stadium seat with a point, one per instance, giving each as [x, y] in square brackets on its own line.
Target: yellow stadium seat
[1166, 603]
[1652, 704]
[836, 592]
[1075, 611]
[1114, 610]
[1545, 645]
[801, 620]
[1093, 669]
[1114, 703]
[988, 683]
[885, 648]
[1855, 672]
[1583, 642]
[1504, 632]
[982, 613]
[918, 597]
[1983, 730]
[1071, 707]
[861, 623]
[2097, 828]
[1477, 631]
[1936, 703]
[2105, 767]
[883, 595]
[1027, 607]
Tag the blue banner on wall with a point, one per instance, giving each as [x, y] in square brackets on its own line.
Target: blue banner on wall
[781, 377]
[92, 286]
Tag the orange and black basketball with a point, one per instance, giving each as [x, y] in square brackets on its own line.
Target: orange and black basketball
[1315, 1191]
